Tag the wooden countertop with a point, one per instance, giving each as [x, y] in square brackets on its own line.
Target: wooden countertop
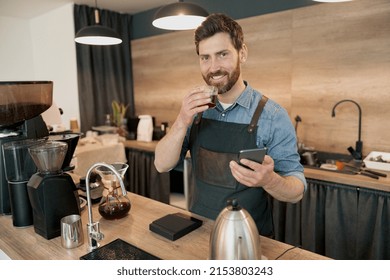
[382, 184]
[141, 145]
[24, 243]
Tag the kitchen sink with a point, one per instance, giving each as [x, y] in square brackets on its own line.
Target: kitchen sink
[326, 158]
[323, 157]
[339, 163]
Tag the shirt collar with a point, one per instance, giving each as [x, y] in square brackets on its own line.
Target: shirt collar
[246, 96]
[244, 100]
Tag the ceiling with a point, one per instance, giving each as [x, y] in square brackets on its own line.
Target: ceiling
[32, 8]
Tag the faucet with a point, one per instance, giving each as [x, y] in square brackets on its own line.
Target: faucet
[93, 229]
[357, 153]
[297, 120]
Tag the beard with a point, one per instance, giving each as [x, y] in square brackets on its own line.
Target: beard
[224, 87]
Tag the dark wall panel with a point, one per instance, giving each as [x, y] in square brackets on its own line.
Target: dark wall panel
[237, 9]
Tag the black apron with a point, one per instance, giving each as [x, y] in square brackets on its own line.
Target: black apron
[213, 144]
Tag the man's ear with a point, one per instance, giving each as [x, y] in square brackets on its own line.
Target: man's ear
[243, 53]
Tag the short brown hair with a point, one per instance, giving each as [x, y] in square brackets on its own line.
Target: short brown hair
[216, 23]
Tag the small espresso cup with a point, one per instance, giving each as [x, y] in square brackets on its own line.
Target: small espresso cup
[213, 92]
[71, 231]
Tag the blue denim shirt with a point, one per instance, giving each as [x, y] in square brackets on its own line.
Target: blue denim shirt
[275, 130]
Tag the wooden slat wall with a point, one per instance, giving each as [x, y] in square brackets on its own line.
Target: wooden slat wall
[306, 59]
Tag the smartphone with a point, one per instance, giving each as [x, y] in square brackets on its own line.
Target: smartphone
[256, 155]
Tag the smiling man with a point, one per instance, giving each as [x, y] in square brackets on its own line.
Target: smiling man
[243, 118]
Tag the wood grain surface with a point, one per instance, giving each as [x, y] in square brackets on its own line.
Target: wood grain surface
[307, 59]
[24, 244]
[382, 184]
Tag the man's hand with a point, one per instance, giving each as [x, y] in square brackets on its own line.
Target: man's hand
[193, 103]
[258, 175]
[168, 149]
[287, 188]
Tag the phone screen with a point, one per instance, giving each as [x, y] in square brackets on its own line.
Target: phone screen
[256, 155]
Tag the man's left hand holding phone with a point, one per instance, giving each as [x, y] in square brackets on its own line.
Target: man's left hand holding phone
[256, 155]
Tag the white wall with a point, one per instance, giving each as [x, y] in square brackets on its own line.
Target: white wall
[16, 54]
[43, 48]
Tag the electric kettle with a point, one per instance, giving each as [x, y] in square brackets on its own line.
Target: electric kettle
[235, 235]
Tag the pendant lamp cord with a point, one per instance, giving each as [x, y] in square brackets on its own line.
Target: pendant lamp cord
[97, 19]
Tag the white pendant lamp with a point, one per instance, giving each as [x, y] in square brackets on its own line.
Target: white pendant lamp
[97, 34]
[179, 16]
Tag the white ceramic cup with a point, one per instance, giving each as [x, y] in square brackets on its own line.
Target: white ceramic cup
[71, 231]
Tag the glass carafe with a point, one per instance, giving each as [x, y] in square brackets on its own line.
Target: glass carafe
[113, 205]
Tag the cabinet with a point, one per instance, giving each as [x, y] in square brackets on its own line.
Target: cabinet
[341, 220]
[143, 178]
[337, 220]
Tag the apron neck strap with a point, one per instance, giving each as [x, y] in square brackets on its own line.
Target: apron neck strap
[257, 114]
[198, 117]
[255, 117]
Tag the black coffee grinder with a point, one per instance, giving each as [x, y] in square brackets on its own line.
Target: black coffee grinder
[52, 192]
[21, 105]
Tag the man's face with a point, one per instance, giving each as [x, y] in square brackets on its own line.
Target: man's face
[219, 63]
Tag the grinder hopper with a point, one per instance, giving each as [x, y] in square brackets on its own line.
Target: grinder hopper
[21, 103]
[49, 156]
